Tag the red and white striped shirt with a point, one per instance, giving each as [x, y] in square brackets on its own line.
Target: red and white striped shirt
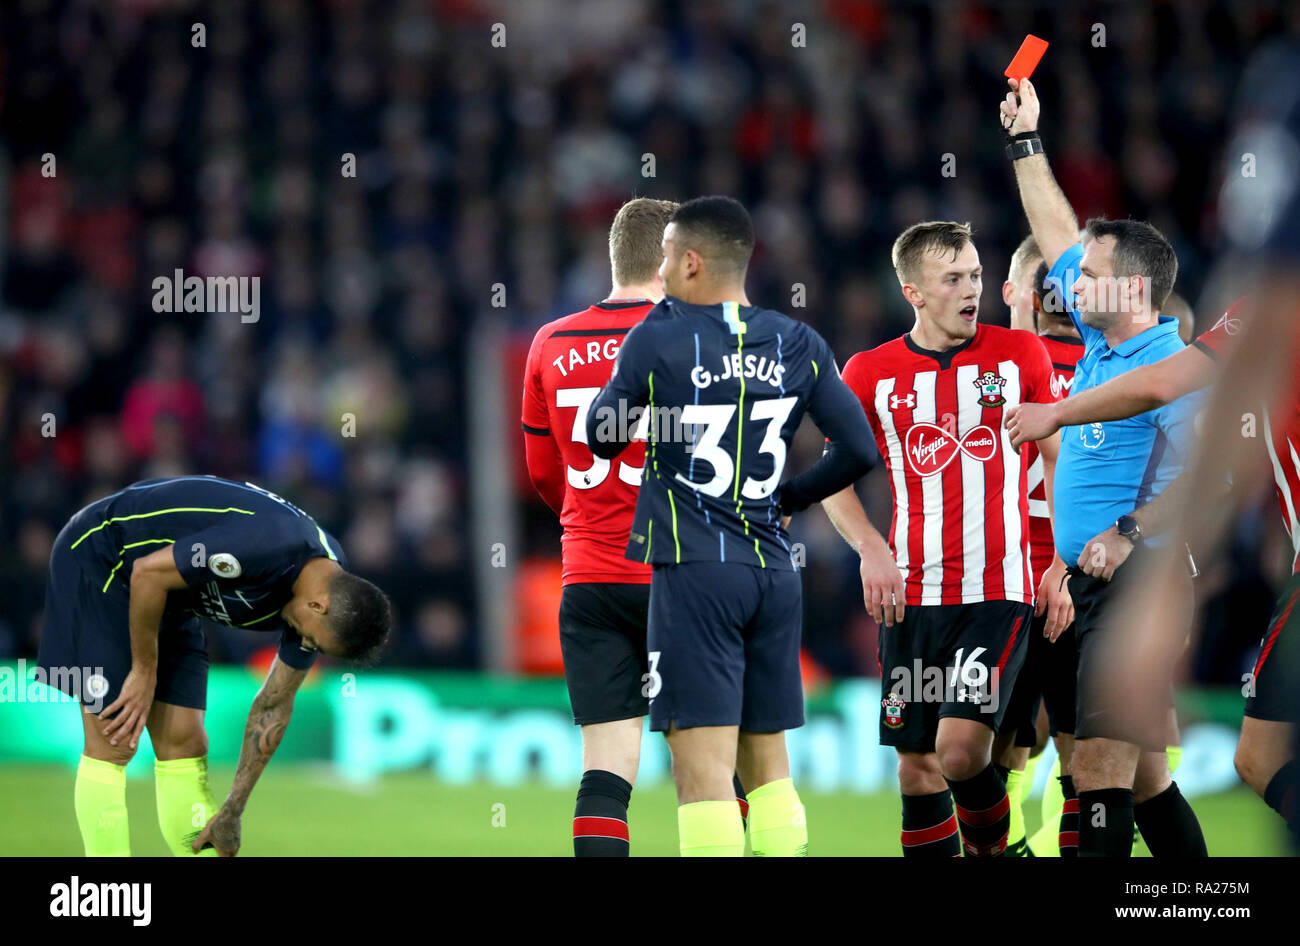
[1064, 352]
[960, 529]
[1282, 426]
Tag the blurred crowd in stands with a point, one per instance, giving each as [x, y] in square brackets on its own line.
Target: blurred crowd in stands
[498, 154]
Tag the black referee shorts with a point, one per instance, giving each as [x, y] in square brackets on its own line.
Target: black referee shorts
[1094, 606]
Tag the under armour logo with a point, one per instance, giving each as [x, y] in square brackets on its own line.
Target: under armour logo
[907, 400]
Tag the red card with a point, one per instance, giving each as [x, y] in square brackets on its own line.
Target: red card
[1031, 51]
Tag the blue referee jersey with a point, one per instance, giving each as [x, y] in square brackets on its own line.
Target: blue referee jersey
[1109, 469]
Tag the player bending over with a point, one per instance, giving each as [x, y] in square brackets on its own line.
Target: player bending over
[726, 384]
[130, 576]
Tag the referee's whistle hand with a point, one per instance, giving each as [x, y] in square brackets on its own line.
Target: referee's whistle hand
[1104, 554]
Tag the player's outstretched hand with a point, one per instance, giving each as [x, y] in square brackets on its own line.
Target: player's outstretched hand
[222, 833]
[131, 706]
[1030, 421]
[1054, 601]
[1020, 111]
[882, 583]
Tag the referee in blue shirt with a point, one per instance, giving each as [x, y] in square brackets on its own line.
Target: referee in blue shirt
[1116, 485]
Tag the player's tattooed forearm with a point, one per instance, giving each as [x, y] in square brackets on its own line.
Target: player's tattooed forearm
[280, 685]
[264, 732]
[262, 736]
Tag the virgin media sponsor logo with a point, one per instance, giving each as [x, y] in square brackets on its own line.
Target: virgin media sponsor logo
[930, 448]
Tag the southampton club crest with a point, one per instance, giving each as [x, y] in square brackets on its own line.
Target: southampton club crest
[892, 708]
[990, 388]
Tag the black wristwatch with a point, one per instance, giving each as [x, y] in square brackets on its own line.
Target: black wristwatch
[1023, 145]
[1127, 526]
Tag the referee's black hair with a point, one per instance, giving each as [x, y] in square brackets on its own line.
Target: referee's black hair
[719, 229]
[1140, 250]
[360, 615]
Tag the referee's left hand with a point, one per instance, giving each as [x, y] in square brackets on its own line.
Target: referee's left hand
[1104, 554]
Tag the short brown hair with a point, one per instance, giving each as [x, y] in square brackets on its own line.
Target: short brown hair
[1025, 254]
[1140, 250]
[921, 238]
[636, 239]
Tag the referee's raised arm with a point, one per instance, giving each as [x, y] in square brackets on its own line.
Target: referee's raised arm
[1051, 218]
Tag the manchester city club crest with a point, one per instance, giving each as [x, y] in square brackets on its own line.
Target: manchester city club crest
[892, 709]
[990, 388]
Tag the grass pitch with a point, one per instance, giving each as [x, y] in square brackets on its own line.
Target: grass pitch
[304, 811]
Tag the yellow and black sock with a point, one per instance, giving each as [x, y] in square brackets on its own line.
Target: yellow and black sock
[778, 826]
[710, 829]
[1047, 839]
[742, 801]
[1017, 845]
[184, 803]
[600, 817]
[100, 802]
[929, 826]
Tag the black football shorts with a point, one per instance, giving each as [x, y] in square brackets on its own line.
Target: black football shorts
[602, 641]
[949, 660]
[1275, 680]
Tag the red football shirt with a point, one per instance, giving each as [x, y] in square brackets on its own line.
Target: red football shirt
[569, 362]
[960, 529]
[1282, 433]
[1064, 352]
